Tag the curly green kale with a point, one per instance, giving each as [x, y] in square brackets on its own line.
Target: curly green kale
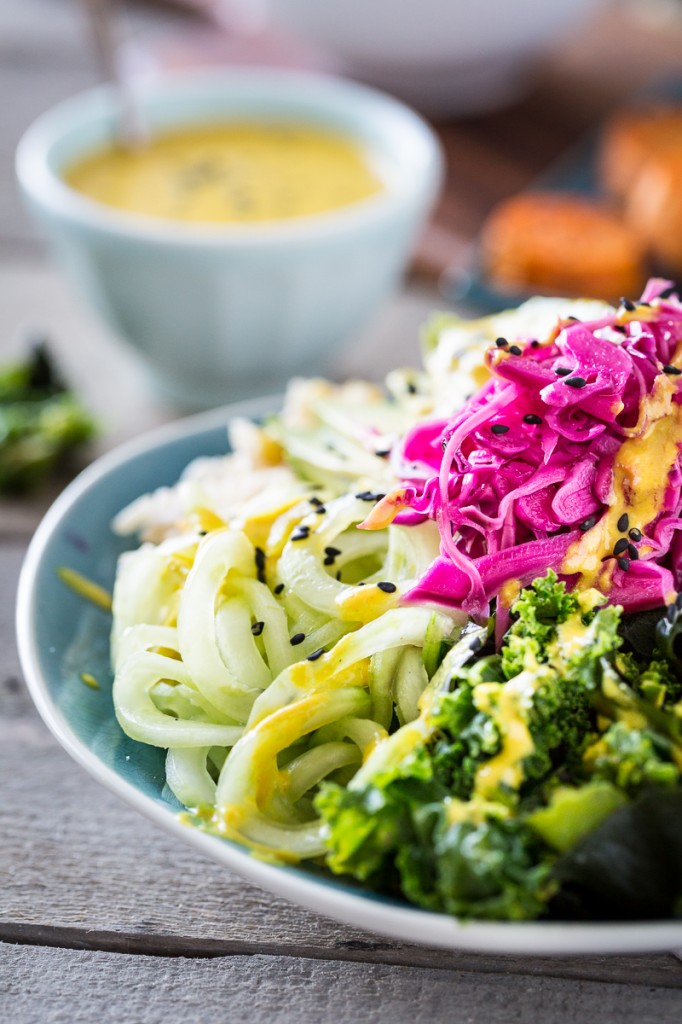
[40, 422]
[403, 835]
[537, 613]
[528, 751]
[489, 867]
[633, 759]
[669, 649]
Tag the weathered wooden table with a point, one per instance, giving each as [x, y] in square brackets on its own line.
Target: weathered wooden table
[104, 918]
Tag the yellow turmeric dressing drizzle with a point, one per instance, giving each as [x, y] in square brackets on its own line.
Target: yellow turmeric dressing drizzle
[509, 592]
[230, 173]
[85, 588]
[640, 478]
[505, 704]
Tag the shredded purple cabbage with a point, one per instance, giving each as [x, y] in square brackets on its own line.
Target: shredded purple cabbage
[526, 466]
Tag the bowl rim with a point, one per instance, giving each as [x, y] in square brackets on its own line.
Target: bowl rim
[403, 922]
[44, 186]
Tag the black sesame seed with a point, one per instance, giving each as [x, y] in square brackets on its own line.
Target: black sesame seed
[369, 496]
[501, 342]
[279, 589]
[338, 576]
[329, 560]
[633, 552]
[575, 382]
[332, 552]
[383, 453]
[259, 557]
[411, 388]
[535, 343]
[316, 654]
[587, 524]
[620, 328]
[257, 628]
[624, 564]
[635, 534]
[515, 350]
[620, 546]
[476, 644]
[499, 428]
[627, 304]
[667, 292]
[300, 533]
[531, 418]
[388, 588]
[623, 522]
[315, 501]
[574, 318]
[321, 510]
[562, 371]
[672, 370]
[297, 639]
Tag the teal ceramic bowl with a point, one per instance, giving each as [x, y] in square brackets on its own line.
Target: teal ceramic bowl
[219, 311]
[60, 636]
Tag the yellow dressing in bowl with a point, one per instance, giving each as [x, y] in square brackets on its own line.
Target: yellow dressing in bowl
[240, 172]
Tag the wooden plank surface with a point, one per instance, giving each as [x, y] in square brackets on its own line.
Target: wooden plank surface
[70, 987]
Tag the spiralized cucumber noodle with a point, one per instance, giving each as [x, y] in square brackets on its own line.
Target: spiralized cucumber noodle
[265, 668]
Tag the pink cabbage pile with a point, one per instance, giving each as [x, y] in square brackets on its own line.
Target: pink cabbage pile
[525, 467]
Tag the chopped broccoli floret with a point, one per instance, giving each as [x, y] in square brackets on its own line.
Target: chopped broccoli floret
[464, 739]
[561, 723]
[537, 612]
[633, 759]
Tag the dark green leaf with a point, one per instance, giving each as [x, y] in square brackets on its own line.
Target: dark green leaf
[630, 867]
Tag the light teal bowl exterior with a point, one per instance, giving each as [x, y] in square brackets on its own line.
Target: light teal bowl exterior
[222, 312]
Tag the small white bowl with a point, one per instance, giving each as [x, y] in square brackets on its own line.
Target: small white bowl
[445, 56]
[222, 311]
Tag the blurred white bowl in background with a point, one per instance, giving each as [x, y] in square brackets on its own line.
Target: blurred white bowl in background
[444, 56]
[221, 312]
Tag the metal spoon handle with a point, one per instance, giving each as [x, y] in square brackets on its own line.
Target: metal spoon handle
[131, 128]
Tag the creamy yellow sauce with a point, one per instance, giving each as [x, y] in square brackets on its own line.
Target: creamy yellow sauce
[640, 479]
[507, 704]
[230, 173]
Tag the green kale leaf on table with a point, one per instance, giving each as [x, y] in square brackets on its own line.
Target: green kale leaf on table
[41, 422]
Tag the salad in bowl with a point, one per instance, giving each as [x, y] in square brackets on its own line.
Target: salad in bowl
[427, 637]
